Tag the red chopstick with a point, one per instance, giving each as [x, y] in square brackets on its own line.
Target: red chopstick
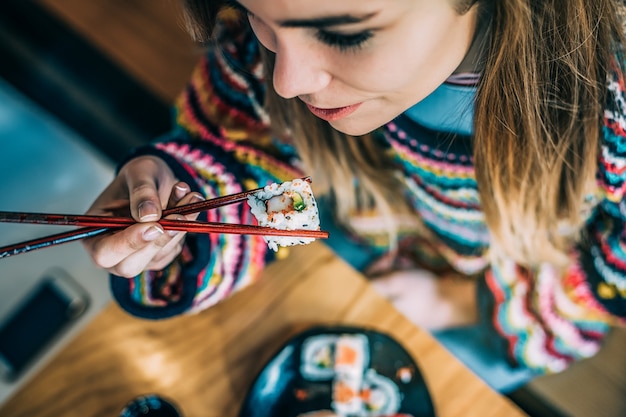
[182, 225]
[49, 241]
[101, 224]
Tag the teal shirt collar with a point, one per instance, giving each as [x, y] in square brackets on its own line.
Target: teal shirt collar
[449, 108]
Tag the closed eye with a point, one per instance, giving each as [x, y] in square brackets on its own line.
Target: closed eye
[344, 42]
[341, 41]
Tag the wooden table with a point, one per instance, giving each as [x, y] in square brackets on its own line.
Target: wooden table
[206, 362]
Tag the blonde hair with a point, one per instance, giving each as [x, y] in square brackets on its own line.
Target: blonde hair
[538, 115]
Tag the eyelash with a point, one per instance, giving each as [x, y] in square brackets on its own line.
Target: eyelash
[336, 40]
[344, 42]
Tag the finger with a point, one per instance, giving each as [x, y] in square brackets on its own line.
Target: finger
[165, 257]
[385, 286]
[156, 255]
[187, 199]
[108, 251]
[179, 191]
[397, 284]
[151, 257]
[134, 264]
[145, 201]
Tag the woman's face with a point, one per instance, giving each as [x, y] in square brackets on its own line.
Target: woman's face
[360, 63]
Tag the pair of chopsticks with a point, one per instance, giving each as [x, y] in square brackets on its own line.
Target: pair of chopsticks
[96, 225]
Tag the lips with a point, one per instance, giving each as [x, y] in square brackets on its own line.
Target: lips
[335, 113]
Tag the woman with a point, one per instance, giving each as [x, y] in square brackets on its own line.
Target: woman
[486, 137]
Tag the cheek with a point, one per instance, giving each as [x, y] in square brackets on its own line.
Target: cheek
[407, 65]
[389, 64]
[379, 72]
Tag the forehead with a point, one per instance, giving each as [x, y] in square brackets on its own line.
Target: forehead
[308, 8]
[314, 8]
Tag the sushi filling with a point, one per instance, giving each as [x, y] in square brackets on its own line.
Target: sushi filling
[285, 203]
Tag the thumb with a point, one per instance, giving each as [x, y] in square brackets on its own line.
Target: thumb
[142, 180]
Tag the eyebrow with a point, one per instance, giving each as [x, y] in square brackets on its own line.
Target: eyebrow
[322, 22]
[318, 22]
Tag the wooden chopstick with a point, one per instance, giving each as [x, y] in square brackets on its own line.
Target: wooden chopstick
[99, 224]
[182, 225]
[49, 241]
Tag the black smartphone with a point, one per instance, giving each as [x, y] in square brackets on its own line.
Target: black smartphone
[41, 317]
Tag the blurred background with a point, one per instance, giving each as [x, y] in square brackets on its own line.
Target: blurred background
[84, 81]
[81, 83]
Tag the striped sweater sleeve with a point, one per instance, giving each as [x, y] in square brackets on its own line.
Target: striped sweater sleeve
[550, 318]
[220, 145]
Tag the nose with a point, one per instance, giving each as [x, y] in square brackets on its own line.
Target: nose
[298, 70]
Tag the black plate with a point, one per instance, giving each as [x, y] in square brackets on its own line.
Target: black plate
[292, 384]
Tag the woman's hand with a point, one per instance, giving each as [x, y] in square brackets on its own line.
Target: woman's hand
[145, 186]
[429, 301]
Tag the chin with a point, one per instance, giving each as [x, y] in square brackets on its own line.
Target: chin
[356, 128]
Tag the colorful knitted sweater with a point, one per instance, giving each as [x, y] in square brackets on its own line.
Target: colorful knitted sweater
[222, 145]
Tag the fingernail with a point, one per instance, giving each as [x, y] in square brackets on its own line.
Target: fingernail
[198, 197]
[181, 191]
[147, 211]
[172, 233]
[152, 233]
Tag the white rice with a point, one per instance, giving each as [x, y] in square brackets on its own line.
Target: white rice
[287, 218]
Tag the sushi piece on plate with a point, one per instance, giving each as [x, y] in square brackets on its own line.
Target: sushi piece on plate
[288, 206]
[381, 396]
[351, 355]
[346, 400]
[317, 362]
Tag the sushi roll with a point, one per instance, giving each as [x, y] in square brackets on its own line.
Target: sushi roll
[346, 399]
[381, 396]
[317, 362]
[288, 206]
[351, 355]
